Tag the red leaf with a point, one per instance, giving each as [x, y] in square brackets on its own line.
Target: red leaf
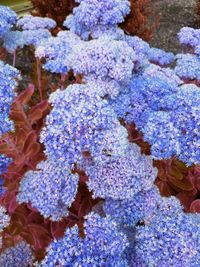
[195, 206]
[26, 95]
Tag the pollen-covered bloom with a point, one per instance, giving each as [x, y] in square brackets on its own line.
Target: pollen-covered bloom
[18, 256]
[189, 36]
[90, 14]
[51, 189]
[29, 22]
[138, 209]
[168, 240]
[103, 57]
[7, 18]
[160, 57]
[188, 66]
[102, 245]
[81, 122]
[8, 82]
[121, 177]
[55, 50]
[13, 40]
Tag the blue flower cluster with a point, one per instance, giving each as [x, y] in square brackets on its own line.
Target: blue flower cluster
[4, 218]
[51, 189]
[188, 67]
[35, 37]
[7, 19]
[138, 209]
[103, 57]
[175, 131]
[160, 57]
[103, 245]
[29, 22]
[13, 40]
[189, 36]
[90, 14]
[170, 239]
[4, 162]
[121, 177]
[8, 82]
[18, 256]
[81, 122]
[55, 50]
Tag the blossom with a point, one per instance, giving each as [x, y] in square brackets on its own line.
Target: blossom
[51, 189]
[144, 94]
[29, 22]
[13, 40]
[4, 218]
[168, 240]
[175, 130]
[189, 36]
[18, 256]
[7, 18]
[103, 58]
[8, 82]
[138, 209]
[102, 245]
[80, 122]
[121, 177]
[4, 162]
[55, 50]
[160, 57]
[90, 14]
[35, 37]
[187, 66]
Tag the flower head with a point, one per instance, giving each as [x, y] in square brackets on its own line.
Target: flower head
[80, 122]
[102, 245]
[121, 177]
[29, 22]
[51, 189]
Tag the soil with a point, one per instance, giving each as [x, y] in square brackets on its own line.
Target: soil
[174, 14]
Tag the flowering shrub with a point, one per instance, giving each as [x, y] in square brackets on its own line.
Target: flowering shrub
[81, 156]
[136, 23]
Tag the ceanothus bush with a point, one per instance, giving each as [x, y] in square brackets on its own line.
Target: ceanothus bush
[75, 190]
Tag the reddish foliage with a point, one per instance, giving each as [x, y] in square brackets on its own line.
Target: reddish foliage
[138, 22]
[55, 9]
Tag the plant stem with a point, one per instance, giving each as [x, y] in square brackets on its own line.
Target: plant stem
[39, 77]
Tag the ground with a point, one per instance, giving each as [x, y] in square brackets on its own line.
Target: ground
[174, 14]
